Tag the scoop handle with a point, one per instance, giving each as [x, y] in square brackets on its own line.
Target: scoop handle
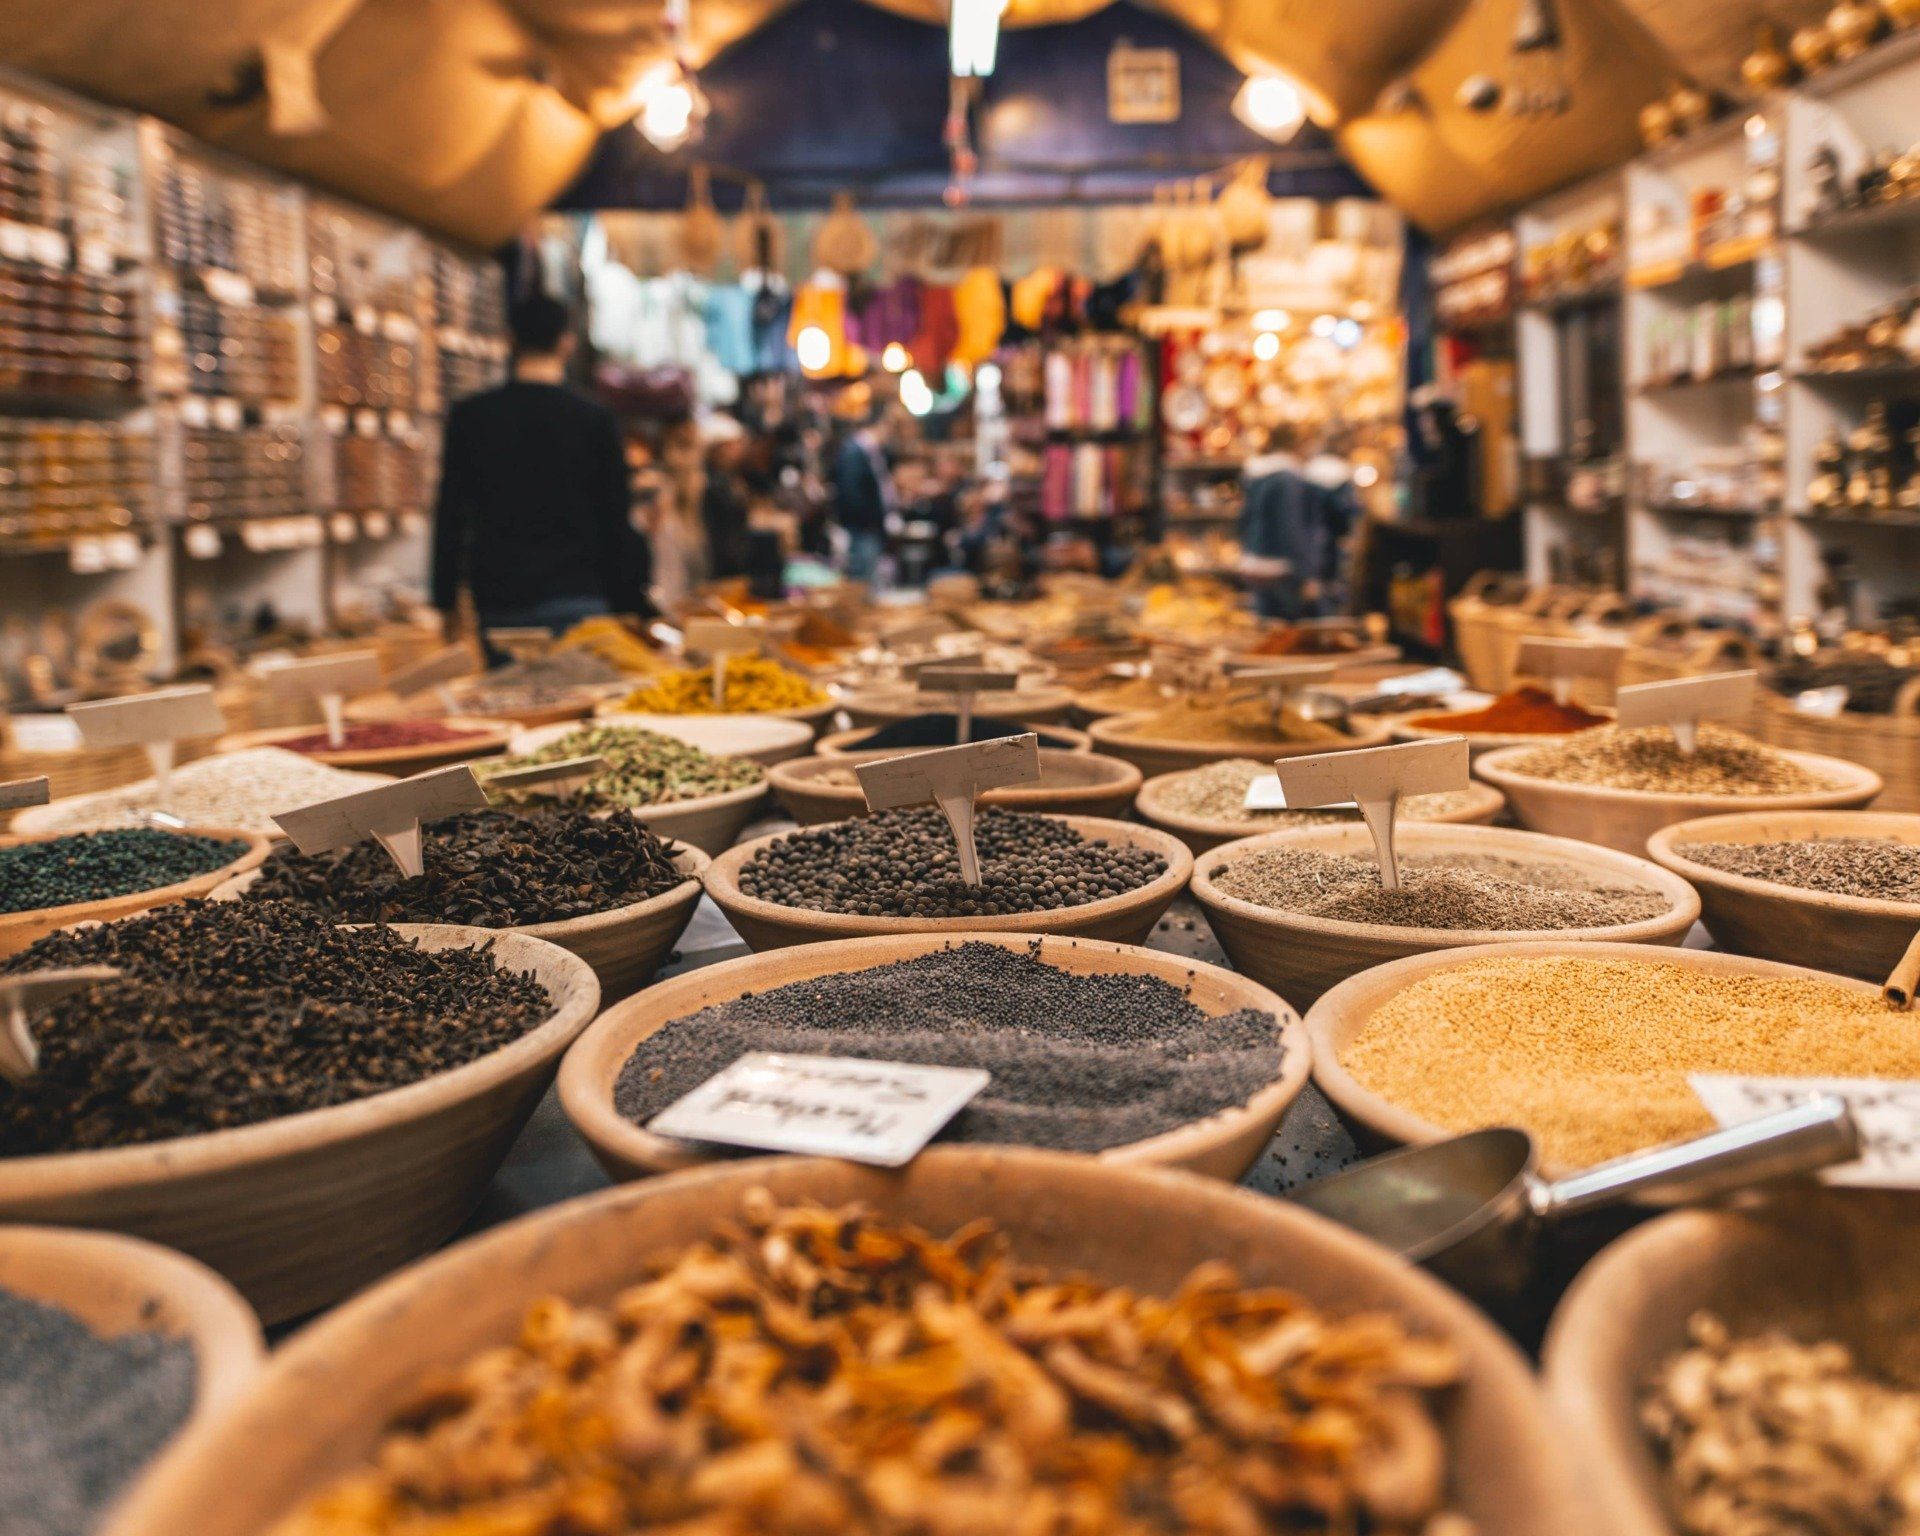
[1802, 1138]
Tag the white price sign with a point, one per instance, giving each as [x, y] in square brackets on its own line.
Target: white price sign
[952, 778]
[390, 814]
[1886, 1110]
[964, 683]
[1562, 662]
[1682, 704]
[329, 679]
[716, 639]
[15, 793]
[153, 721]
[1376, 779]
[20, 995]
[876, 1112]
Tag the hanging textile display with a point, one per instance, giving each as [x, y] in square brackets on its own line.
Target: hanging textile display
[980, 316]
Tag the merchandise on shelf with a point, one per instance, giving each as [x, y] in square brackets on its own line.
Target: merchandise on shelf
[68, 333]
[1705, 341]
[1573, 262]
[1887, 338]
[1473, 279]
[256, 471]
[62, 478]
[1872, 469]
[208, 220]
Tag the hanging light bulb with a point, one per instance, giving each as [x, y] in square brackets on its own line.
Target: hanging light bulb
[1266, 346]
[1275, 320]
[1271, 105]
[973, 36]
[895, 358]
[915, 393]
[814, 348]
[670, 107]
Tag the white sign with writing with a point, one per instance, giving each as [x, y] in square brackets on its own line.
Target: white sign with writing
[876, 1112]
[154, 722]
[716, 639]
[15, 793]
[20, 995]
[952, 778]
[329, 679]
[546, 773]
[1562, 662]
[390, 814]
[964, 683]
[1376, 779]
[1682, 704]
[1886, 1110]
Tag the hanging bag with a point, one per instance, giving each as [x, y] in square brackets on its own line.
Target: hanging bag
[758, 241]
[1244, 205]
[844, 243]
[701, 234]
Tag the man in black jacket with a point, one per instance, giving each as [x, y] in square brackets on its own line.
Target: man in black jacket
[532, 516]
[863, 495]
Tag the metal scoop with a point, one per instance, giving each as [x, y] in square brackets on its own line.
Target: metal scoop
[1470, 1208]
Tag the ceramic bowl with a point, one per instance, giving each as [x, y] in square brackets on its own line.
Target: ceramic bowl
[1037, 705]
[1123, 736]
[1127, 918]
[767, 739]
[1224, 1145]
[479, 738]
[318, 1410]
[1070, 783]
[1201, 833]
[1059, 738]
[300, 1211]
[817, 717]
[1626, 818]
[46, 818]
[1854, 935]
[1300, 957]
[19, 929]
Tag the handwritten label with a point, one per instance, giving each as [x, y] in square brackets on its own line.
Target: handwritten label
[442, 666]
[964, 683]
[329, 679]
[1886, 1110]
[1682, 704]
[20, 995]
[1376, 779]
[546, 773]
[875, 1112]
[154, 722]
[390, 814]
[15, 793]
[952, 778]
[1562, 662]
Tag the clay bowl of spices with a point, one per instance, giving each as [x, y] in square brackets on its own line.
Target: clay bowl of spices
[924, 732]
[1031, 703]
[112, 1347]
[321, 1411]
[1740, 1300]
[1205, 807]
[817, 789]
[144, 867]
[1190, 733]
[767, 739]
[1302, 910]
[296, 1205]
[402, 747]
[1587, 1046]
[495, 869]
[1037, 1012]
[1839, 886]
[1619, 787]
[642, 763]
[1050, 870]
[1520, 717]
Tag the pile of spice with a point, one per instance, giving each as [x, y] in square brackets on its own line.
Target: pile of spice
[233, 789]
[540, 682]
[1592, 1056]
[94, 866]
[229, 1013]
[1315, 640]
[1647, 758]
[1127, 698]
[1218, 792]
[944, 731]
[903, 864]
[1079, 1062]
[1486, 892]
[84, 1414]
[1524, 711]
[1768, 1436]
[754, 685]
[642, 767]
[1877, 868]
[614, 643]
[494, 869]
[1230, 717]
[1872, 682]
[823, 1372]
[381, 736]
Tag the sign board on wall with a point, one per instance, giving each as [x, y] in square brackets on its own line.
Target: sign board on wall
[1143, 85]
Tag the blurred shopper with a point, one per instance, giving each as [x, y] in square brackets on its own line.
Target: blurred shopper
[863, 494]
[1292, 526]
[532, 512]
[723, 498]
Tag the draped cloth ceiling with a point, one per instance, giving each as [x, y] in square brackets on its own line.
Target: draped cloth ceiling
[468, 115]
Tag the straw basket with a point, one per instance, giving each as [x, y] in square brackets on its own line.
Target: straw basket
[1889, 744]
[1666, 646]
[1475, 617]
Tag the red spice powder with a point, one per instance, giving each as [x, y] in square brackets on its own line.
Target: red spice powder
[379, 736]
[1317, 641]
[1525, 711]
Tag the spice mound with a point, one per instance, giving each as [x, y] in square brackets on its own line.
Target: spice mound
[97, 866]
[1592, 1056]
[494, 869]
[1218, 792]
[1873, 683]
[828, 1373]
[1314, 640]
[234, 789]
[1877, 868]
[539, 682]
[1525, 711]
[754, 685]
[643, 767]
[230, 1013]
[1490, 892]
[1768, 1436]
[904, 864]
[1646, 758]
[1216, 717]
[615, 643]
[381, 736]
[84, 1413]
[1079, 1062]
[938, 730]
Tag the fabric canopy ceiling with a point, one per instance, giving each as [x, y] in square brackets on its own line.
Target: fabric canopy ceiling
[467, 115]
